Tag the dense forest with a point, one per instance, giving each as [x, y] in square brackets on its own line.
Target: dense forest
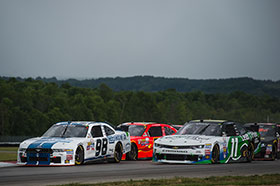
[155, 84]
[29, 107]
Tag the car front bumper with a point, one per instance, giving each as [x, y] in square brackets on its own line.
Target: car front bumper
[45, 157]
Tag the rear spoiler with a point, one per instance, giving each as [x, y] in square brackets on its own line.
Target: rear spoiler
[122, 128]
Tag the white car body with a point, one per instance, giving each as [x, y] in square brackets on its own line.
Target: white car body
[206, 149]
[197, 148]
[62, 151]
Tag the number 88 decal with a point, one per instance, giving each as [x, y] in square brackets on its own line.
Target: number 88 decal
[101, 146]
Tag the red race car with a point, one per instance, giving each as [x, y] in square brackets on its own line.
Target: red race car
[142, 137]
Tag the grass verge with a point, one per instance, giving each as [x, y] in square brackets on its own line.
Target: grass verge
[269, 179]
[8, 153]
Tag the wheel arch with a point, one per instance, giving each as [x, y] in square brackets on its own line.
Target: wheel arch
[119, 142]
[79, 145]
[214, 144]
[216, 160]
[75, 153]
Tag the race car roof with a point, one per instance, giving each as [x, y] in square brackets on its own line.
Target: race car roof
[220, 122]
[260, 124]
[78, 123]
[142, 123]
[208, 121]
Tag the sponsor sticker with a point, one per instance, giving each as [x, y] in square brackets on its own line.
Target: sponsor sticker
[111, 139]
[208, 146]
[178, 151]
[207, 151]
[69, 151]
[90, 146]
[111, 150]
[143, 142]
[268, 149]
[69, 157]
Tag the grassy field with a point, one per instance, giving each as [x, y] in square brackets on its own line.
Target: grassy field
[8, 153]
[269, 179]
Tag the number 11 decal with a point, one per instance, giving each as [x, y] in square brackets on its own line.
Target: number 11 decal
[234, 147]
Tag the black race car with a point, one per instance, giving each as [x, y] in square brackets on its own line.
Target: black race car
[270, 142]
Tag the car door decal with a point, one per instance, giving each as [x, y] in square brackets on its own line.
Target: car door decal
[101, 146]
[104, 146]
[234, 147]
[98, 147]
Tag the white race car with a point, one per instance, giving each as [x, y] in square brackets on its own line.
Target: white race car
[204, 142]
[70, 143]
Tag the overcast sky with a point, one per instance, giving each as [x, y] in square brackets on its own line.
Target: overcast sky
[196, 39]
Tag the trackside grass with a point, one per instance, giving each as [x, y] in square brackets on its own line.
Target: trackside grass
[269, 179]
[8, 153]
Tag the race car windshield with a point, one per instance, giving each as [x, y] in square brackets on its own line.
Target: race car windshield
[266, 131]
[201, 128]
[66, 131]
[136, 130]
[192, 128]
[212, 130]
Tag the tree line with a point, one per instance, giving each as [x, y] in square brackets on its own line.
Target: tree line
[155, 84]
[29, 107]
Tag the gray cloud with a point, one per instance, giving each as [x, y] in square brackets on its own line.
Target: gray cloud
[182, 38]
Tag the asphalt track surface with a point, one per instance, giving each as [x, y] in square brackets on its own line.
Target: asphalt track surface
[127, 170]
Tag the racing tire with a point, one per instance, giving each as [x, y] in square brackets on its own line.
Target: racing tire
[250, 153]
[133, 154]
[118, 153]
[79, 156]
[215, 154]
[273, 153]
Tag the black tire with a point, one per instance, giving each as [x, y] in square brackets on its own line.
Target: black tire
[118, 153]
[273, 153]
[133, 154]
[250, 154]
[79, 156]
[215, 154]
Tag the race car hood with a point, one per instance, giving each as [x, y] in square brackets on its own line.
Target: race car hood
[44, 142]
[184, 140]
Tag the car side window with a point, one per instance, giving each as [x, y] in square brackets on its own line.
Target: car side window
[229, 130]
[155, 131]
[240, 129]
[168, 131]
[96, 131]
[108, 131]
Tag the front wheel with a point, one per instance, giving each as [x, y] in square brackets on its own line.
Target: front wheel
[133, 153]
[118, 153]
[250, 154]
[273, 153]
[215, 154]
[79, 157]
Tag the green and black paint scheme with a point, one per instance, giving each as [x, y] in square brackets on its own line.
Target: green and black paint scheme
[206, 142]
[270, 142]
